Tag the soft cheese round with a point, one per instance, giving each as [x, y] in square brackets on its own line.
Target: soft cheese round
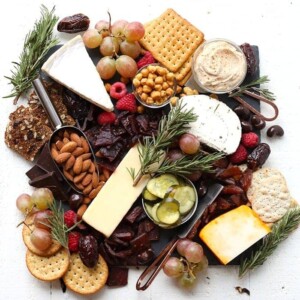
[217, 125]
[269, 194]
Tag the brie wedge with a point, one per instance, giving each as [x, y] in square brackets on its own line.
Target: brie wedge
[72, 67]
[217, 125]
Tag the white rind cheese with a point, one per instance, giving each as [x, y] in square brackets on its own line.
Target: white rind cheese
[217, 125]
[72, 67]
[117, 196]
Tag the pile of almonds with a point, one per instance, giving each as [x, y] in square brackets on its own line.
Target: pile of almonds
[72, 153]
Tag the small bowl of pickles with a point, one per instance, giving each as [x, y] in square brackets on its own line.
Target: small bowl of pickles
[169, 200]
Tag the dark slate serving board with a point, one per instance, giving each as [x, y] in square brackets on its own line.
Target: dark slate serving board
[167, 234]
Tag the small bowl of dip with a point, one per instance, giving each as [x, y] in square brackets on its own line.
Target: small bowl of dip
[219, 66]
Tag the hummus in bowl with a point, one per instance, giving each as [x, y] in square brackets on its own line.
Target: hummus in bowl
[219, 66]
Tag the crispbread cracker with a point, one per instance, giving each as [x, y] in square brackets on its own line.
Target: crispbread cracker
[185, 79]
[26, 238]
[48, 268]
[269, 195]
[184, 70]
[171, 39]
[84, 280]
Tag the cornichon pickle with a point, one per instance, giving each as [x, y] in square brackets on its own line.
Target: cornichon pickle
[158, 186]
[186, 197]
[168, 212]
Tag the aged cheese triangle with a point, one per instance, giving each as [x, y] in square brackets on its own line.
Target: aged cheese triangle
[72, 67]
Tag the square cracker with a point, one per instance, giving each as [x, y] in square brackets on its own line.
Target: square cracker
[171, 39]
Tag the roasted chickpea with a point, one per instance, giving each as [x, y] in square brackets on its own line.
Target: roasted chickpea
[173, 101]
[158, 87]
[155, 95]
[140, 109]
[143, 81]
[150, 82]
[139, 89]
[159, 80]
[170, 76]
[145, 72]
[136, 82]
[147, 89]
[162, 71]
[149, 100]
[139, 76]
[107, 87]
[144, 96]
[165, 86]
[151, 69]
[169, 92]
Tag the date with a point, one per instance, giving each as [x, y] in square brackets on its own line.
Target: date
[258, 156]
[74, 24]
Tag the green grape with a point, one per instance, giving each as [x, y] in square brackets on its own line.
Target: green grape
[126, 66]
[102, 27]
[134, 31]
[202, 265]
[173, 267]
[182, 245]
[117, 29]
[106, 67]
[42, 198]
[109, 46]
[132, 49]
[92, 38]
[194, 253]
[186, 280]
[24, 203]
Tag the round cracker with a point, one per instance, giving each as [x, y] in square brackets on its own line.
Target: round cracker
[269, 194]
[48, 268]
[55, 246]
[83, 280]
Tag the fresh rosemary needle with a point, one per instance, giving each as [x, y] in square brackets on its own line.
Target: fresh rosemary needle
[280, 231]
[36, 46]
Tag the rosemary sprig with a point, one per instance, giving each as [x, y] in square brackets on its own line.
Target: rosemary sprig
[252, 86]
[170, 127]
[189, 164]
[36, 45]
[58, 227]
[280, 232]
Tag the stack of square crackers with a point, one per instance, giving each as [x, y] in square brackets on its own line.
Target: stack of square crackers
[172, 41]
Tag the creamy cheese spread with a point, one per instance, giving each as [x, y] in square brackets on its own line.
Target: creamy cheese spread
[219, 66]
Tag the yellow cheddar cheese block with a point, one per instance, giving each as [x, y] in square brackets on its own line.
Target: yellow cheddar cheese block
[117, 196]
[232, 233]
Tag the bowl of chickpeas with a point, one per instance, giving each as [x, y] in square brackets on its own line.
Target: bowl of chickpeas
[154, 86]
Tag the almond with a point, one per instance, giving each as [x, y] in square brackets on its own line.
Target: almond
[77, 165]
[85, 145]
[87, 189]
[59, 144]
[106, 173]
[86, 165]
[87, 180]
[79, 186]
[87, 200]
[68, 175]
[68, 147]
[79, 177]
[95, 180]
[66, 134]
[95, 191]
[86, 156]
[75, 138]
[54, 152]
[69, 163]
[102, 178]
[62, 157]
[78, 151]
[92, 168]
[65, 140]
[81, 210]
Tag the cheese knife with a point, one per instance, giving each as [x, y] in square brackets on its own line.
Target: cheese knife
[152, 270]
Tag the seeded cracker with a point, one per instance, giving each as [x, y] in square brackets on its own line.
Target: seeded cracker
[269, 195]
[48, 268]
[55, 247]
[84, 280]
[171, 39]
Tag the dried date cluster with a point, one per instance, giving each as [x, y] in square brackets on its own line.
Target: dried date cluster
[74, 24]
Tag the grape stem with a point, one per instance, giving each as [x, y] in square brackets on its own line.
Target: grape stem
[188, 267]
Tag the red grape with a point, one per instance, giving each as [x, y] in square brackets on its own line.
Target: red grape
[126, 66]
[109, 46]
[41, 219]
[132, 49]
[194, 252]
[41, 238]
[106, 67]
[174, 154]
[24, 203]
[117, 29]
[173, 267]
[189, 143]
[102, 27]
[182, 245]
[134, 31]
[42, 198]
[92, 38]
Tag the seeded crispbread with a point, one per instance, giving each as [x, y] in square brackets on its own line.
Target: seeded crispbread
[83, 280]
[55, 246]
[269, 194]
[171, 39]
[48, 268]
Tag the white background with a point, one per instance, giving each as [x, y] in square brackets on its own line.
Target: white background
[274, 27]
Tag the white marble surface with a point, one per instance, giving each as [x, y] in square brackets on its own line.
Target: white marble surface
[274, 26]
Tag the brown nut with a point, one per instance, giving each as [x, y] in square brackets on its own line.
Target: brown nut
[66, 134]
[69, 163]
[85, 156]
[87, 189]
[92, 168]
[87, 180]
[87, 200]
[54, 152]
[95, 191]
[78, 178]
[68, 175]
[106, 173]
[75, 138]
[95, 180]
[79, 186]
[65, 140]
[81, 210]
[62, 157]
[59, 144]
[68, 147]
[85, 145]
[86, 165]
[78, 151]
[77, 168]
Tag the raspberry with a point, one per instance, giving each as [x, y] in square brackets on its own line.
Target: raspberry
[239, 156]
[128, 102]
[250, 140]
[106, 118]
[118, 90]
[73, 241]
[146, 60]
[70, 218]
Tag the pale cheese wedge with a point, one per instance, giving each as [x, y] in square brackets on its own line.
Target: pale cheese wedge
[117, 196]
[232, 233]
[217, 125]
[72, 67]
